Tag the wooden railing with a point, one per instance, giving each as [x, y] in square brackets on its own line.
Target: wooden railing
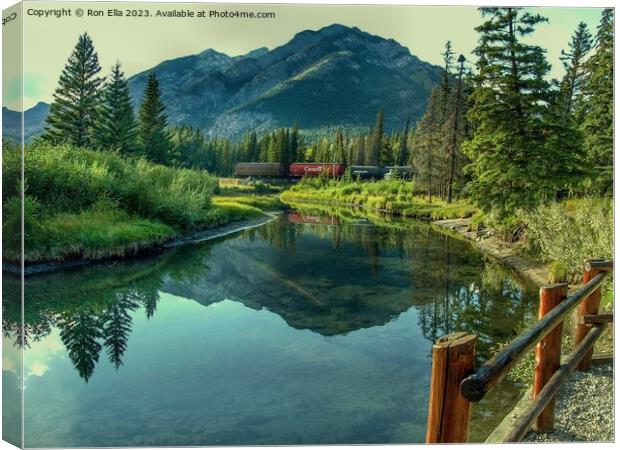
[455, 384]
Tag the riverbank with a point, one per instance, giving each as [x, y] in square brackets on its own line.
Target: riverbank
[192, 238]
[537, 272]
[394, 197]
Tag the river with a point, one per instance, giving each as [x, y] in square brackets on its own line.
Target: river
[312, 329]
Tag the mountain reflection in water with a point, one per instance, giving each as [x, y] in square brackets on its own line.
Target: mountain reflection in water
[329, 277]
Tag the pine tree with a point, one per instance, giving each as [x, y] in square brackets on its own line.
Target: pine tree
[339, 149]
[509, 101]
[295, 144]
[598, 113]
[375, 140]
[115, 126]
[402, 155]
[454, 127]
[448, 60]
[573, 61]
[360, 151]
[427, 142]
[71, 114]
[153, 137]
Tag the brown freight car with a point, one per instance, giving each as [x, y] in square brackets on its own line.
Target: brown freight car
[255, 169]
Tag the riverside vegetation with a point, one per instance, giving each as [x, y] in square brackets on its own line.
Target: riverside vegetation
[81, 203]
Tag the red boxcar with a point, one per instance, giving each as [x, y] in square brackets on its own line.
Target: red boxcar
[315, 169]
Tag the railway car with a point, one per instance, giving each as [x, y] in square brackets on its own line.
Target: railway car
[315, 169]
[403, 172]
[367, 172]
[256, 169]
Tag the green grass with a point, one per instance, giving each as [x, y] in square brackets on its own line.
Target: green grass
[262, 202]
[395, 197]
[96, 235]
[89, 204]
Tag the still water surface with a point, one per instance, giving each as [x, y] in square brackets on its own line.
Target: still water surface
[308, 330]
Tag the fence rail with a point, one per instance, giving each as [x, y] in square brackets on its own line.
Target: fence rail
[454, 383]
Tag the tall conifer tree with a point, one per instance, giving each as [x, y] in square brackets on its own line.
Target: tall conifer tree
[454, 126]
[375, 140]
[153, 136]
[573, 61]
[427, 142]
[509, 101]
[598, 113]
[115, 125]
[71, 114]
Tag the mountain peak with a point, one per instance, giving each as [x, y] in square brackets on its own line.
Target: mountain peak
[337, 29]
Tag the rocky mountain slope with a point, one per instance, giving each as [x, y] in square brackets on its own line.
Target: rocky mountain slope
[335, 76]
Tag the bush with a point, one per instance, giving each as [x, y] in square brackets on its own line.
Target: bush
[66, 179]
[97, 204]
[572, 237]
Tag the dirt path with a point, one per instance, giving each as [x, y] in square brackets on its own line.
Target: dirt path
[495, 247]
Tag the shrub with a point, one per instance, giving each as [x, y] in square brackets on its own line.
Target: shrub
[95, 204]
[571, 238]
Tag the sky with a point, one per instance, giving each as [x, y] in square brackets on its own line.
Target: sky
[140, 43]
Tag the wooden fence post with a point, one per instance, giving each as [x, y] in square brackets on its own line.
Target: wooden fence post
[588, 307]
[548, 353]
[448, 410]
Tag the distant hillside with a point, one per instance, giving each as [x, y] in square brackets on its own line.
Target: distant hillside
[34, 122]
[334, 76]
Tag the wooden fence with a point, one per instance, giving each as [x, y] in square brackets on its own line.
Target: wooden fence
[455, 384]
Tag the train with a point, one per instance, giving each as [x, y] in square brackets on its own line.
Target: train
[301, 169]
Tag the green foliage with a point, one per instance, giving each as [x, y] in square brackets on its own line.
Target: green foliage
[571, 86]
[508, 104]
[115, 126]
[224, 212]
[68, 179]
[570, 238]
[426, 144]
[97, 234]
[396, 197]
[262, 202]
[597, 110]
[375, 141]
[558, 272]
[152, 123]
[85, 203]
[72, 112]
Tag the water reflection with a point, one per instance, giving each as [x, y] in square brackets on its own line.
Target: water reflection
[331, 276]
[344, 278]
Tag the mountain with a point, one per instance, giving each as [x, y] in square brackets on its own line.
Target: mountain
[330, 77]
[34, 122]
[334, 76]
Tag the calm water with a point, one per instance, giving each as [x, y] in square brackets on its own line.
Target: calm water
[311, 329]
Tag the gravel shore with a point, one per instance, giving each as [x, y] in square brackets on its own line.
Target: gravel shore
[584, 409]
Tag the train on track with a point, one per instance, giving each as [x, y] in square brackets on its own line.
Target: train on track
[335, 170]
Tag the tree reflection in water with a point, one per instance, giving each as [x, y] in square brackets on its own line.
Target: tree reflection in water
[331, 279]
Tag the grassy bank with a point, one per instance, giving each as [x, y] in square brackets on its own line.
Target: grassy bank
[396, 197]
[87, 204]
